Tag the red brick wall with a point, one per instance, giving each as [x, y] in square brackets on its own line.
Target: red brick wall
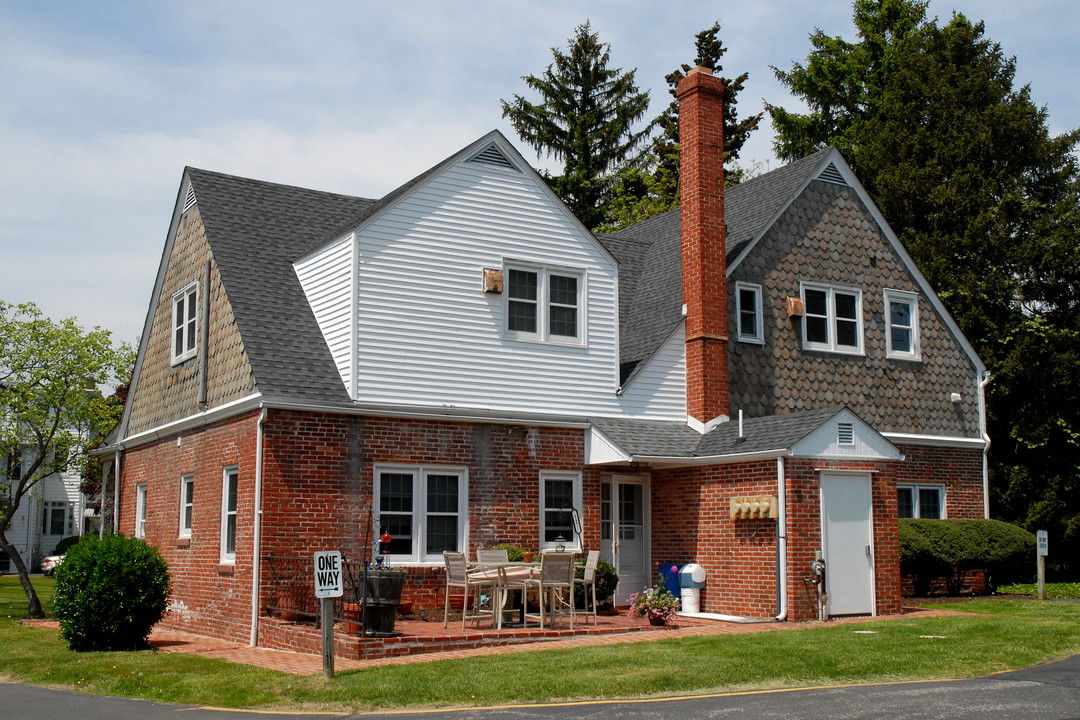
[208, 597]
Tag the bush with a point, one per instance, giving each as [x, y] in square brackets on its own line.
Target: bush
[606, 580]
[110, 593]
[64, 545]
[951, 549]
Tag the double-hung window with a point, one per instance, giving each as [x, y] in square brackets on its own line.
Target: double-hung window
[544, 304]
[57, 518]
[185, 323]
[560, 510]
[920, 501]
[748, 311]
[140, 510]
[187, 501]
[902, 325]
[832, 319]
[423, 509]
[230, 493]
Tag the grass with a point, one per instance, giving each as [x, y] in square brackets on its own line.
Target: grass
[993, 634]
[1053, 590]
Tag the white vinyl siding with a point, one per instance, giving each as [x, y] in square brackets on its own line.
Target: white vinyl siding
[327, 281]
[426, 334]
[658, 391]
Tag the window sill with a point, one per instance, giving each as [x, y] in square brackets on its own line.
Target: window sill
[183, 542]
[226, 569]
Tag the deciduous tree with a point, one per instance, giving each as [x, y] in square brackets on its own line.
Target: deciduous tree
[51, 405]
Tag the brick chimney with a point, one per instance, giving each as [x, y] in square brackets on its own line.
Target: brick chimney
[704, 256]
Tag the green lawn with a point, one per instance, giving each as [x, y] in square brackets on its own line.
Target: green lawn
[994, 634]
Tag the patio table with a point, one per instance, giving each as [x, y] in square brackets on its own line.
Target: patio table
[503, 573]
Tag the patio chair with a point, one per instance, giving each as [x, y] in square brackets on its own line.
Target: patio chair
[556, 577]
[492, 555]
[457, 576]
[587, 582]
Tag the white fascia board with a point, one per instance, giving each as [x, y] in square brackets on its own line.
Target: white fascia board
[166, 256]
[935, 440]
[215, 414]
[669, 462]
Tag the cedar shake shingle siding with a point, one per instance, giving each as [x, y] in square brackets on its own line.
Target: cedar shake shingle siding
[828, 236]
[168, 392]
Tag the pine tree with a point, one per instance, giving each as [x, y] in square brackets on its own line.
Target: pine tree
[585, 118]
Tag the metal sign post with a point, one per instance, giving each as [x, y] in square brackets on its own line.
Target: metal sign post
[328, 585]
[1042, 547]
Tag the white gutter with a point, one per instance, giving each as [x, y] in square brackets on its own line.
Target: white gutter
[983, 382]
[781, 538]
[675, 461]
[934, 440]
[257, 534]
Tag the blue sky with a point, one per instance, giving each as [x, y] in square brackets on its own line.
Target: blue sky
[104, 104]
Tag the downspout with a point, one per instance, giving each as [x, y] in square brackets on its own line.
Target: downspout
[116, 495]
[983, 382]
[257, 534]
[781, 539]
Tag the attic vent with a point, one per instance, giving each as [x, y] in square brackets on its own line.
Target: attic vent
[831, 174]
[845, 433]
[492, 156]
[189, 201]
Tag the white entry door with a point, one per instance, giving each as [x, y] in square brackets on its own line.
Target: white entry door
[625, 530]
[847, 537]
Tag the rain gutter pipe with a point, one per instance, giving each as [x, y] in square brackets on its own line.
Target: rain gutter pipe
[781, 539]
[257, 533]
[983, 382]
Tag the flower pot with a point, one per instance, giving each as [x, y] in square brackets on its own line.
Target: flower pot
[527, 556]
[657, 621]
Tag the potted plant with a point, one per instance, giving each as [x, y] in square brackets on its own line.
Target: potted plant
[655, 604]
[383, 590]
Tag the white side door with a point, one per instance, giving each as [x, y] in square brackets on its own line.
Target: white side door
[848, 543]
[624, 516]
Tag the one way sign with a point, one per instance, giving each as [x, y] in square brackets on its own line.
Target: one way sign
[328, 582]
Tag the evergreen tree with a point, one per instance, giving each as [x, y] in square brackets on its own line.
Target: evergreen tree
[963, 167]
[585, 119]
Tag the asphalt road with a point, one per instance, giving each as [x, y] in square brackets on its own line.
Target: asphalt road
[1044, 692]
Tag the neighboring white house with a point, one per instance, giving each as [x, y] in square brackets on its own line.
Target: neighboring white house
[51, 511]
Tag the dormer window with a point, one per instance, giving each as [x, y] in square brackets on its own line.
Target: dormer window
[185, 323]
[544, 304]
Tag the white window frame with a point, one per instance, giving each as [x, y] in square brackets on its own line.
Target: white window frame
[573, 542]
[758, 336]
[49, 507]
[185, 304]
[187, 504]
[544, 304]
[232, 472]
[140, 510]
[420, 474]
[831, 320]
[915, 488]
[912, 300]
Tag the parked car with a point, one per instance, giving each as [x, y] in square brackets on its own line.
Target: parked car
[48, 565]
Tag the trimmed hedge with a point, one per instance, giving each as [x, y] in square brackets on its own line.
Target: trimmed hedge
[110, 593]
[952, 549]
[64, 545]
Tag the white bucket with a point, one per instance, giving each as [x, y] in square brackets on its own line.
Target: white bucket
[691, 599]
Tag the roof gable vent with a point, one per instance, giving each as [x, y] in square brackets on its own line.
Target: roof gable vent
[189, 200]
[492, 156]
[831, 174]
[845, 433]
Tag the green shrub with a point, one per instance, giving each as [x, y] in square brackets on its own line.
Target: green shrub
[952, 549]
[64, 545]
[606, 580]
[110, 593]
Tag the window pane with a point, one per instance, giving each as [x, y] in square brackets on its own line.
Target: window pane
[563, 321]
[929, 503]
[905, 507]
[178, 345]
[395, 492]
[558, 500]
[605, 511]
[441, 533]
[847, 333]
[900, 313]
[58, 520]
[233, 488]
[557, 525]
[845, 305]
[816, 302]
[817, 329]
[522, 285]
[901, 339]
[748, 313]
[563, 290]
[230, 534]
[442, 494]
[401, 535]
[521, 317]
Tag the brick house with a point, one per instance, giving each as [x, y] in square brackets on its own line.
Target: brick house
[755, 379]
